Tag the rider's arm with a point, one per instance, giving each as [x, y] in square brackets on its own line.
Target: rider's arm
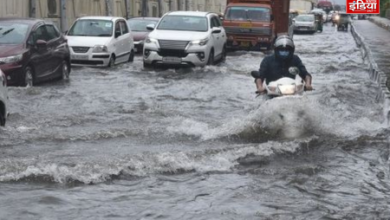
[262, 75]
[306, 76]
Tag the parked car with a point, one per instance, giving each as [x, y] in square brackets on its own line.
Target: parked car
[100, 41]
[139, 31]
[31, 51]
[305, 23]
[3, 99]
[185, 38]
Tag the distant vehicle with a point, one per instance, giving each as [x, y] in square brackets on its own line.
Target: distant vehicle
[32, 50]
[326, 5]
[305, 23]
[343, 21]
[100, 41]
[255, 24]
[139, 30]
[185, 38]
[3, 99]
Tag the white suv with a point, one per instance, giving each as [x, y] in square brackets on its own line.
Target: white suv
[185, 38]
[100, 41]
[3, 99]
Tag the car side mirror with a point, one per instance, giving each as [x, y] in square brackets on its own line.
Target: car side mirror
[41, 44]
[150, 27]
[117, 34]
[255, 74]
[216, 30]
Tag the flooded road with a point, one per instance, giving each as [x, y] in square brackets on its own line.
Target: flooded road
[129, 143]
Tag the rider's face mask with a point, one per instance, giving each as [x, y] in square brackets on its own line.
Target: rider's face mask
[283, 53]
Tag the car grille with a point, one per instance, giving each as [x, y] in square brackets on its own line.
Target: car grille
[80, 49]
[172, 53]
[173, 44]
[238, 30]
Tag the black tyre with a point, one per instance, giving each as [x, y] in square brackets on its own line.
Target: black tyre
[2, 119]
[28, 77]
[131, 57]
[224, 54]
[112, 61]
[65, 70]
[147, 65]
[211, 58]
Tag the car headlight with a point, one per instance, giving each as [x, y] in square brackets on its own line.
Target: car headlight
[99, 49]
[11, 59]
[150, 40]
[200, 42]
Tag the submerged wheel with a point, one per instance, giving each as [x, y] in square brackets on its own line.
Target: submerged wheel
[64, 70]
[131, 57]
[28, 77]
[211, 58]
[112, 61]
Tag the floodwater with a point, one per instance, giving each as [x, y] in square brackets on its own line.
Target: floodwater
[127, 143]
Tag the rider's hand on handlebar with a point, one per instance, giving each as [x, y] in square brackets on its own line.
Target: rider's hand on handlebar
[308, 87]
[261, 92]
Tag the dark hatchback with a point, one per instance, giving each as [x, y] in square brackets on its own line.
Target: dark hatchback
[32, 51]
[138, 28]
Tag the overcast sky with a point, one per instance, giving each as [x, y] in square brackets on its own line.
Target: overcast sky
[339, 2]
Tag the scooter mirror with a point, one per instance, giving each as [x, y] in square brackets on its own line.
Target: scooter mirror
[255, 74]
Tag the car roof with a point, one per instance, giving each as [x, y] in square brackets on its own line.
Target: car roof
[107, 18]
[191, 13]
[145, 18]
[28, 21]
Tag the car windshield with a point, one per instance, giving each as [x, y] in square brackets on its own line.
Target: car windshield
[138, 25]
[183, 23]
[248, 13]
[304, 18]
[91, 28]
[11, 33]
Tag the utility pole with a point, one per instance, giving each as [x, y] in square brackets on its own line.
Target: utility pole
[187, 6]
[108, 7]
[32, 12]
[144, 11]
[127, 5]
[160, 9]
[64, 23]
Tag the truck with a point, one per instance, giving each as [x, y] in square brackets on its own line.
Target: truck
[255, 24]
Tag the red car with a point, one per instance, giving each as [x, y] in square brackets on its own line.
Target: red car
[139, 31]
[32, 51]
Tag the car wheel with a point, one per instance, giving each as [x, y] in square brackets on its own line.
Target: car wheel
[112, 61]
[224, 54]
[147, 65]
[28, 77]
[2, 120]
[64, 70]
[131, 57]
[211, 58]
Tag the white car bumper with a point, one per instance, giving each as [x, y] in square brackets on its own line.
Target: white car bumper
[89, 58]
[192, 56]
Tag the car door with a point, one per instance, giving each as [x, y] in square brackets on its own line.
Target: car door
[40, 54]
[216, 36]
[54, 46]
[127, 38]
[119, 43]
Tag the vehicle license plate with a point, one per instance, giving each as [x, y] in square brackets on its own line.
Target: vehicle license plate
[171, 60]
[79, 57]
[246, 25]
[244, 44]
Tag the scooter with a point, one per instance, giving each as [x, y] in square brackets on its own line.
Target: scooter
[284, 86]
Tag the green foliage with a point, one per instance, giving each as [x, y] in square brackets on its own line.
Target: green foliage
[384, 5]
